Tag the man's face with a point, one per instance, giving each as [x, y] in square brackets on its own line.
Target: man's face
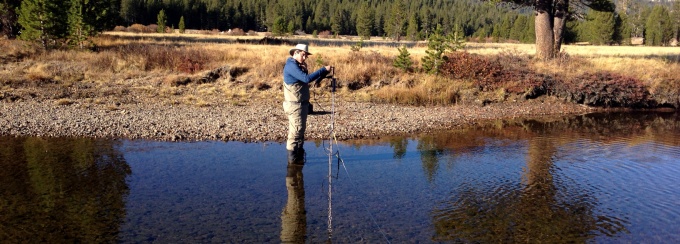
[300, 56]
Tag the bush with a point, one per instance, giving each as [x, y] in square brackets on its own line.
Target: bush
[237, 32]
[505, 72]
[166, 57]
[403, 61]
[325, 34]
[603, 89]
[137, 28]
[119, 28]
[152, 28]
[463, 65]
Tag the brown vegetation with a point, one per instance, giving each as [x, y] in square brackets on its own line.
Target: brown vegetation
[153, 70]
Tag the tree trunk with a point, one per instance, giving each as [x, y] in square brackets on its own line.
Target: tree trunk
[544, 35]
[560, 20]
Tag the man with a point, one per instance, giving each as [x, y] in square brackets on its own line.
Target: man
[296, 79]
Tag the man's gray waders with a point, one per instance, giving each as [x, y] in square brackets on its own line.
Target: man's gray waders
[296, 107]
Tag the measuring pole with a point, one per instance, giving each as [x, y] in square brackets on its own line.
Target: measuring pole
[330, 157]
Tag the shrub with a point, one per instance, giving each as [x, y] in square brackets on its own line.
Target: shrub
[403, 61]
[166, 57]
[152, 28]
[237, 32]
[467, 66]
[119, 28]
[506, 72]
[325, 34]
[137, 28]
[603, 89]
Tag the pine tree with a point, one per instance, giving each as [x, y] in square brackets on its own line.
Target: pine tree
[600, 27]
[365, 21]
[403, 61]
[279, 27]
[290, 29]
[181, 26]
[8, 18]
[394, 26]
[336, 22]
[412, 30]
[43, 21]
[436, 45]
[162, 19]
[675, 15]
[79, 30]
[518, 28]
[658, 29]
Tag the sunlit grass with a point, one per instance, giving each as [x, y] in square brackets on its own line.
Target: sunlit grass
[169, 69]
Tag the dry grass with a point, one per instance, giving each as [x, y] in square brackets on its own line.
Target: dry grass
[169, 67]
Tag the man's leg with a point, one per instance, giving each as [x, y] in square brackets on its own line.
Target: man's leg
[296, 130]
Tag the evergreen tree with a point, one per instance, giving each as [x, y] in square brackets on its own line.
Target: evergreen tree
[675, 15]
[658, 28]
[79, 30]
[162, 19]
[181, 26]
[43, 21]
[290, 29]
[403, 61]
[279, 27]
[365, 21]
[529, 31]
[101, 15]
[394, 26]
[623, 30]
[518, 27]
[599, 27]
[506, 26]
[412, 30]
[426, 21]
[8, 17]
[336, 22]
[437, 45]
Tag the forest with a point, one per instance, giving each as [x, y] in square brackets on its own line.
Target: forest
[53, 21]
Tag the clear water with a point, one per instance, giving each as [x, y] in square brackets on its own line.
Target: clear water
[605, 178]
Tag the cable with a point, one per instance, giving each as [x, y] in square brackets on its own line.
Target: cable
[332, 138]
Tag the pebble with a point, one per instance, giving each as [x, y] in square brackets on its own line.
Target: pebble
[252, 123]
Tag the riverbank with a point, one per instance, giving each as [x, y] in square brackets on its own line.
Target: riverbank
[253, 122]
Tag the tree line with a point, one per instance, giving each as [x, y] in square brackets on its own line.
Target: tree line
[54, 22]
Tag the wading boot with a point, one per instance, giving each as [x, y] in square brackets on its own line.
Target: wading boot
[295, 157]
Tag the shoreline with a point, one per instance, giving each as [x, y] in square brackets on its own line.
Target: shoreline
[254, 122]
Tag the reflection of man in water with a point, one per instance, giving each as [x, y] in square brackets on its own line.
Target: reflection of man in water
[293, 218]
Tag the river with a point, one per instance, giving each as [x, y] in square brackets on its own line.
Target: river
[605, 178]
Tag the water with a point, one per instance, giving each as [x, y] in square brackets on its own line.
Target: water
[605, 178]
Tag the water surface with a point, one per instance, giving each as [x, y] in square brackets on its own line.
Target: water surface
[592, 178]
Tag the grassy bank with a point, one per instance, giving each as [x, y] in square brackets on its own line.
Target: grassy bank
[202, 71]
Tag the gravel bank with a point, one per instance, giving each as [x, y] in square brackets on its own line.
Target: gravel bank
[264, 122]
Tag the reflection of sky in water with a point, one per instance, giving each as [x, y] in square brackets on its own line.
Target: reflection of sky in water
[235, 192]
[597, 178]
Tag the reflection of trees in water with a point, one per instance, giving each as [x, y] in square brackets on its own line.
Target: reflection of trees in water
[399, 144]
[60, 190]
[429, 155]
[542, 208]
[538, 210]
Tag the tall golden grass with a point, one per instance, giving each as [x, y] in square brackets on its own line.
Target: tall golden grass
[159, 68]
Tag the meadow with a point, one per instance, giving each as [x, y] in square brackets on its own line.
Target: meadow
[212, 70]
